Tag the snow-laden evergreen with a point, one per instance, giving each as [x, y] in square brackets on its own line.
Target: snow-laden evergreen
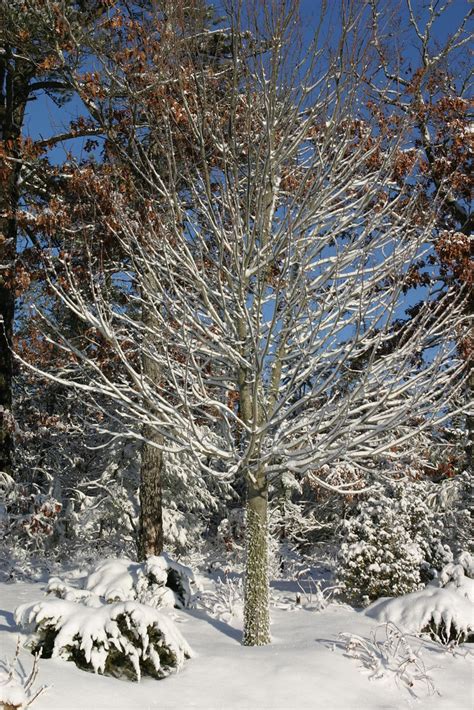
[444, 608]
[126, 639]
[442, 612]
[392, 543]
[458, 576]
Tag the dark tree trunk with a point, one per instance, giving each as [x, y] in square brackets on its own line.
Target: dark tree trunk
[469, 450]
[150, 534]
[7, 312]
[14, 90]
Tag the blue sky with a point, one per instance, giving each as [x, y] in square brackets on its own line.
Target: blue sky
[44, 118]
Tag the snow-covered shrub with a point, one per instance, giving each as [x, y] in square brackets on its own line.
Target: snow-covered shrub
[443, 613]
[452, 498]
[303, 513]
[192, 498]
[459, 575]
[157, 582]
[27, 514]
[105, 508]
[389, 654]
[16, 688]
[391, 545]
[225, 601]
[126, 640]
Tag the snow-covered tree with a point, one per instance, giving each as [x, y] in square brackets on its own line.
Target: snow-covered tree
[428, 89]
[279, 252]
[36, 59]
[392, 544]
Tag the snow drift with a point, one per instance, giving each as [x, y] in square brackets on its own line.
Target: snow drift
[158, 582]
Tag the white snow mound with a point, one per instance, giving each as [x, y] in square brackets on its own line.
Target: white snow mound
[434, 606]
[12, 693]
[158, 582]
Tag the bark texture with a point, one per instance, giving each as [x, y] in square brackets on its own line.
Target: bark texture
[256, 611]
[256, 589]
[150, 534]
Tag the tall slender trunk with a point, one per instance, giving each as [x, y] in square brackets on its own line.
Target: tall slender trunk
[7, 312]
[150, 534]
[256, 589]
[256, 610]
[469, 449]
[14, 90]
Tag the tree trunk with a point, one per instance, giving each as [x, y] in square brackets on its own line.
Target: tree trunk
[14, 89]
[256, 607]
[256, 590]
[150, 534]
[470, 417]
[7, 309]
[8, 203]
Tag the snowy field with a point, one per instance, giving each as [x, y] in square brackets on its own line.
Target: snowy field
[305, 667]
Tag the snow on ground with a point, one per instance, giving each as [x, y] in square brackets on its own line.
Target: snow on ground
[305, 667]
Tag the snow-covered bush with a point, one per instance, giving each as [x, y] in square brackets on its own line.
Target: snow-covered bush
[126, 640]
[391, 545]
[458, 575]
[16, 688]
[225, 601]
[452, 498]
[192, 498]
[443, 613]
[157, 582]
[26, 513]
[444, 609]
